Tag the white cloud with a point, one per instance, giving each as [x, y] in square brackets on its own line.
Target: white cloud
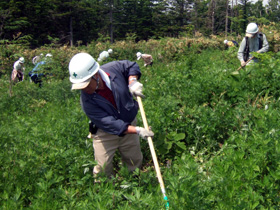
[265, 2]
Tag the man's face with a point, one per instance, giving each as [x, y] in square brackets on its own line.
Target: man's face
[93, 85]
[253, 36]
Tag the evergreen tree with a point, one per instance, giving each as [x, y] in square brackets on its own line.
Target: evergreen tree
[273, 10]
[40, 22]
[199, 14]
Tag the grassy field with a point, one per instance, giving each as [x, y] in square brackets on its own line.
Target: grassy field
[216, 137]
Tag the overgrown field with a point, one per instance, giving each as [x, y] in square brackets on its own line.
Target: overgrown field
[216, 136]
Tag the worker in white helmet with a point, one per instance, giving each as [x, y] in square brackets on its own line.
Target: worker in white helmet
[18, 70]
[104, 55]
[107, 93]
[230, 43]
[148, 59]
[254, 41]
[48, 55]
[37, 58]
[40, 71]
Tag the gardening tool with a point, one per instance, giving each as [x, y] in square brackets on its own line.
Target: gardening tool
[245, 63]
[236, 72]
[154, 156]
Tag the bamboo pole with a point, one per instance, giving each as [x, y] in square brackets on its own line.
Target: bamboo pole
[154, 156]
[245, 63]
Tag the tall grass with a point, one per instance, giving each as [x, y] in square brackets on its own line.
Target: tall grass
[216, 134]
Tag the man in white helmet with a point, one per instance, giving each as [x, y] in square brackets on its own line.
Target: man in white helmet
[104, 55]
[107, 99]
[18, 70]
[40, 70]
[148, 59]
[37, 58]
[254, 41]
[230, 43]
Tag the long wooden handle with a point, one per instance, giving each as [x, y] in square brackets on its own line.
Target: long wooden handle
[150, 141]
[245, 63]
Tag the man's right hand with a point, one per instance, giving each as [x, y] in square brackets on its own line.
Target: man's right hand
[144, 133]
[243, 63]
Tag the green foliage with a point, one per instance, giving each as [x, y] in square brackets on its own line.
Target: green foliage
[102, 38]
[131, 37]
[52, 22]
[216, 134]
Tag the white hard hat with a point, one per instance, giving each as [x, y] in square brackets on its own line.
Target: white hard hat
[21, 59]
[251, 29]
[49, 55]
[138, 55]
[102, 56]
[82, 67]
[225, 41]
[110, 51]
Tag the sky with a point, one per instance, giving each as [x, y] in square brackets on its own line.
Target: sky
[264, 1]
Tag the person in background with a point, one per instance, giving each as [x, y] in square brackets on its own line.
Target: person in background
[48, 56]
[107, 93]
[254, 41]
[37, 58]
[104, 55]
[148, 59]
[35, 75]
[18, 70]
[231, 43]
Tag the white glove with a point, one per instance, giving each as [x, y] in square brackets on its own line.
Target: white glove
[136, 89]
[144, 133]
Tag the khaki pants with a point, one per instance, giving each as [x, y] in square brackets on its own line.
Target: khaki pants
[105, 146]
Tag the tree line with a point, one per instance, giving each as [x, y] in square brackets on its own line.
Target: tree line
[73, 22]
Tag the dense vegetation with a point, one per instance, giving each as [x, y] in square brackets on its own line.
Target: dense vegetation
[41, 22]
[216, 132]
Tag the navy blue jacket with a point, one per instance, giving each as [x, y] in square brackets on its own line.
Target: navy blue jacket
[101, 112]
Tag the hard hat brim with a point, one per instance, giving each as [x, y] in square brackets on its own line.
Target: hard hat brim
[81, 85]
[249, 35]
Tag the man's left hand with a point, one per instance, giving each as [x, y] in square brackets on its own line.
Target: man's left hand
[136, 89]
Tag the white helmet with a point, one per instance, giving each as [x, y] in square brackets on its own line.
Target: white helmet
[82, 67]
[49, 55]
[225, 41]
[138, 55]
[21, 59]
[251, 29]
[103, 56]
[110, 51]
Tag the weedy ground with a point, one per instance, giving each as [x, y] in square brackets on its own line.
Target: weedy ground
[216, 136]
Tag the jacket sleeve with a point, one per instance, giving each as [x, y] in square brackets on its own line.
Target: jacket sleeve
[103, 118]
[133, 68]
[241, 50]
[126, 67]
[265, 45]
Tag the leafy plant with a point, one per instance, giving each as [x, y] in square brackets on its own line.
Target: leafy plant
[216, 134]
